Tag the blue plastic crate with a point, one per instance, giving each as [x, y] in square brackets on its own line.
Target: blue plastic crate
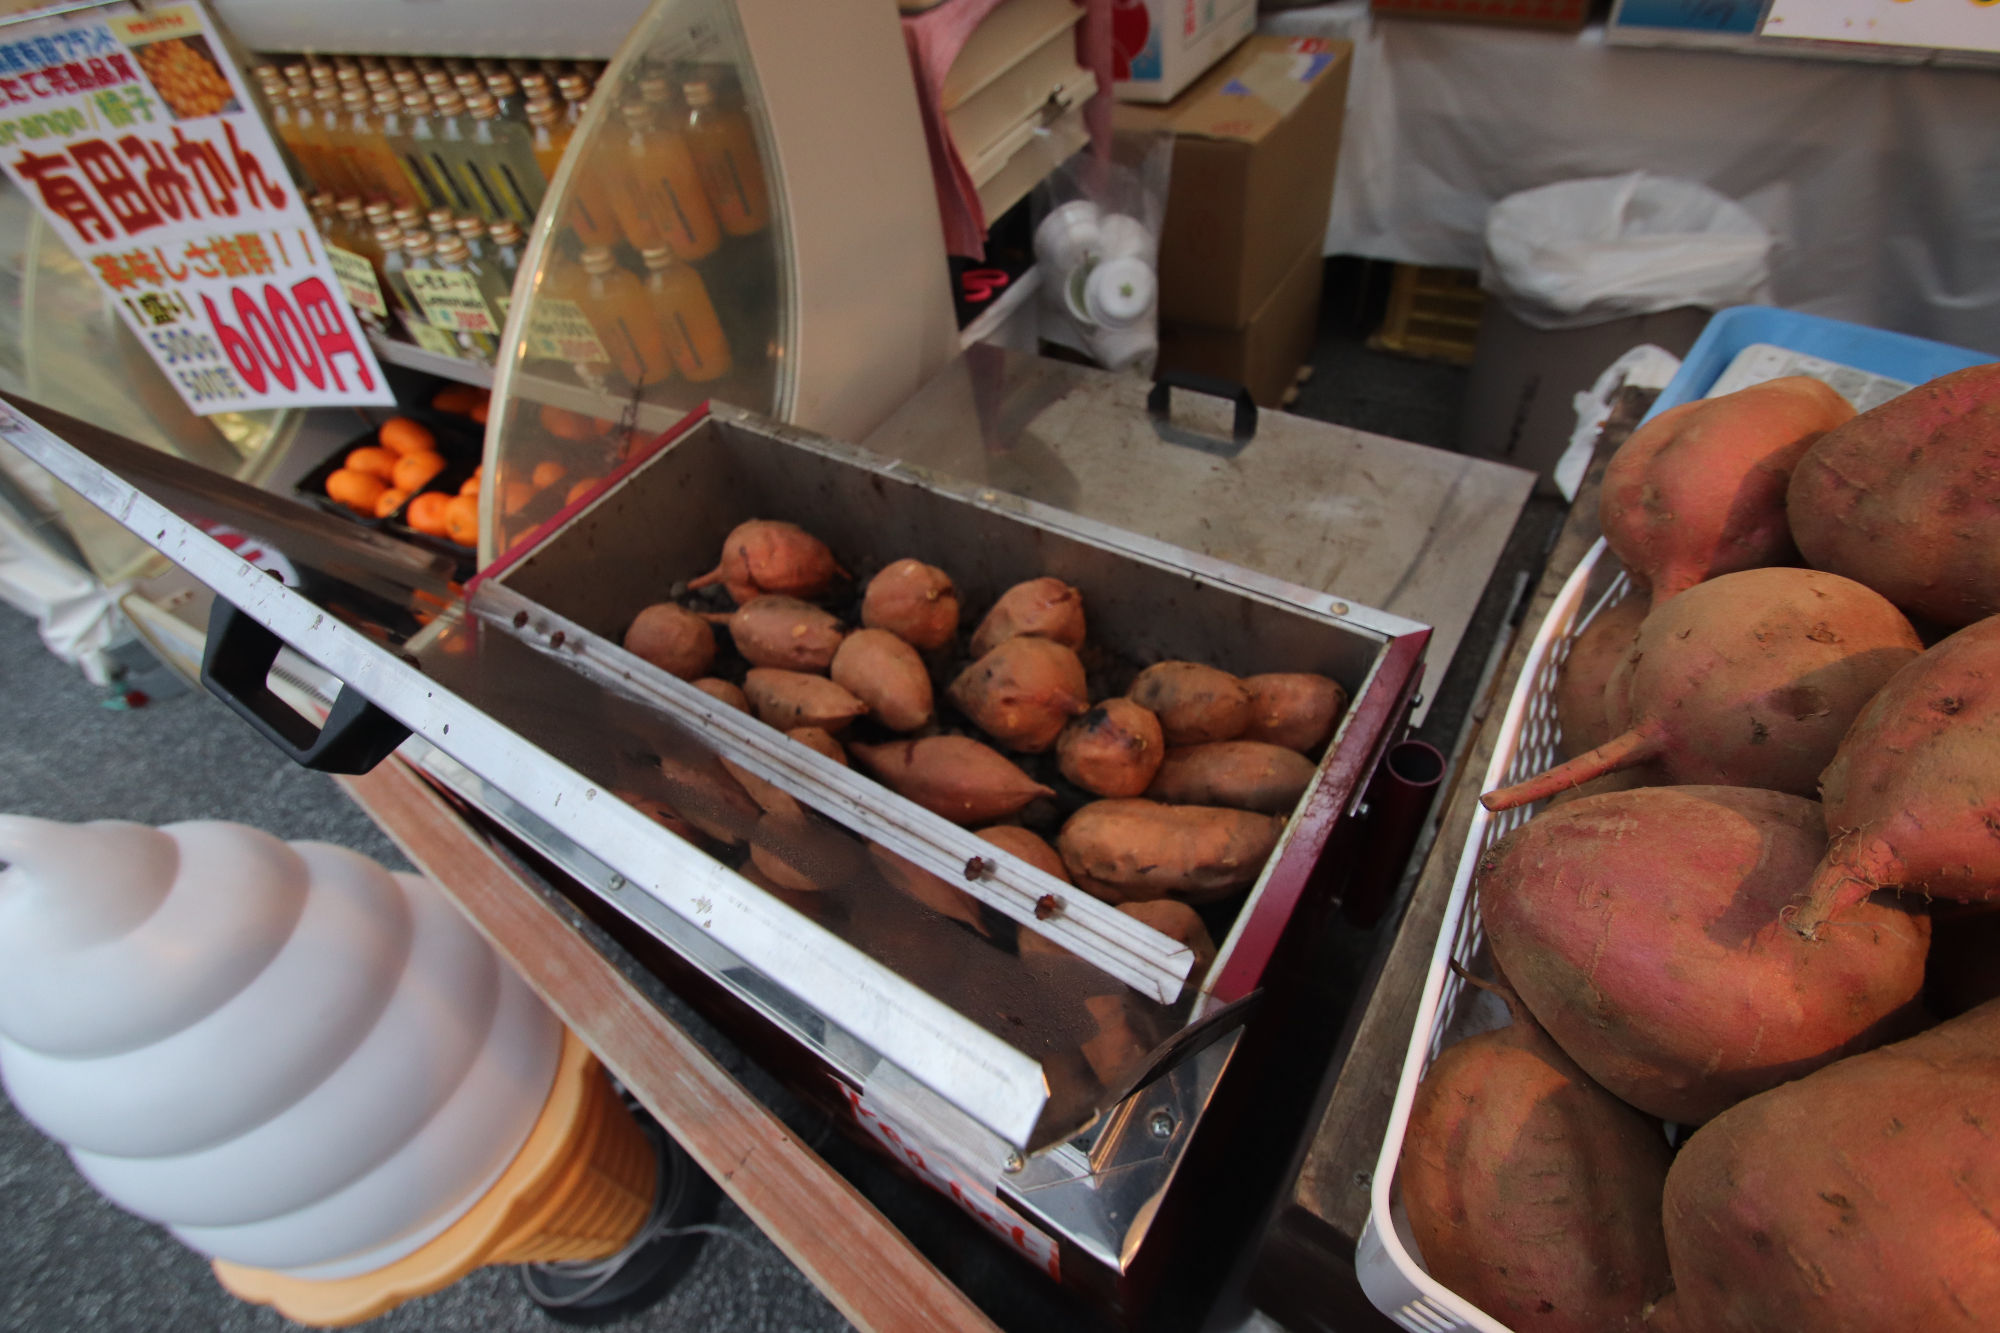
[1896, 356]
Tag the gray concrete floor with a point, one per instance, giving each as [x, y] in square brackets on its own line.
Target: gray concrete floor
[70, 1260]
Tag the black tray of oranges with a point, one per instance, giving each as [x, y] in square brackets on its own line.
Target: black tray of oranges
[415, 476]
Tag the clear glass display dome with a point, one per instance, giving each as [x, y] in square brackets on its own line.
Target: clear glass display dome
[658, 276]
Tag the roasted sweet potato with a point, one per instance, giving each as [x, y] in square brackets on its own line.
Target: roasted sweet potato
[1177, 921]
[1642, 930]
[1046, 608]
[783, 632]
[1747, 680]
[797, 852]
[1581, 718]
[790, 699]
[1114, 749]
[1143, 849]
[885, 673]
[767, 556]
[1029, 846]
[716, 687]
[1023, 692]
[672, 638]
[1859, 1199]
[1195, 703]
[953, 776]
[819, 738]
[1245, 775]
[1296, 709]
[913, 601]
[933, 891]
[770, 798]
[1913, 794]
[1906, 498]
[1531, 1191]
[699, 789]
[1700, 489]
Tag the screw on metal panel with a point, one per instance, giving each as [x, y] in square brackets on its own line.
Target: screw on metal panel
[1161, 1124]
[617, 881]
[1014, 1162]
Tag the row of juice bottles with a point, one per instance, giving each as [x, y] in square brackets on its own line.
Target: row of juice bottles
[450, 279]
[677, 167]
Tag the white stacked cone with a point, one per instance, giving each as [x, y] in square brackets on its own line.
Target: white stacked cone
[288, 1056]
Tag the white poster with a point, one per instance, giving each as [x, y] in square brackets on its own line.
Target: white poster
[1945, 25]
[136, 138]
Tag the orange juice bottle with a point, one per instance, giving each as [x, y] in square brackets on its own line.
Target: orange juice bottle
[657, 192]
[618, 308]
[725, 151]
[588, 213]
[686, 317]
[335, 144]
[284, 121]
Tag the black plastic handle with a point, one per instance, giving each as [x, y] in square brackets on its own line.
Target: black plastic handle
[1159, 406]
[236, 667]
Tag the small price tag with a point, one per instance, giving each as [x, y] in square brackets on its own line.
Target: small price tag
[433, 339]
[451, 300]
[357, 279]
[561, 331]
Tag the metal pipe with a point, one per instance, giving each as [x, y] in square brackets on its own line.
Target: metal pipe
[1398, 801]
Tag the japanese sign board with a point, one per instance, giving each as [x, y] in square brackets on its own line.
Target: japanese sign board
[135, 136]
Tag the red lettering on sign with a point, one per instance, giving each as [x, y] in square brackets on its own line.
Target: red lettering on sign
[323, 313]
[300, 349]
[264, 338]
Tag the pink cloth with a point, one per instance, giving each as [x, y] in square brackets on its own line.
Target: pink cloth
[935, 38]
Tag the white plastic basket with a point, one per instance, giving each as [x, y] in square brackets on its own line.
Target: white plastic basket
[1386, 1259]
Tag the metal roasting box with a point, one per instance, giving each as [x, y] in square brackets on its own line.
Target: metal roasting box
[1055, 1065]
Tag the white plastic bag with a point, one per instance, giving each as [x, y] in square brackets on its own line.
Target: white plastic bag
[1586, 251]
[1097, 247]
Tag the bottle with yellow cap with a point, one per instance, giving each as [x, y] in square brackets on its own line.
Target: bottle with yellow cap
[503, 153]
[370, 158]
[686, 317]
[390, 242]
[425, 144]
[467, 298]
[336, 145]
[588, 212]
[504, 243]
[725, 151]
[393, 124]
[279, 114]
[618, 307]
[507, 95]
[455, 150]
[657, 191]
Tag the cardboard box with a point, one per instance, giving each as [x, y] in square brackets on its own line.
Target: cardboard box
[1159, 47]
[1255, 144]
[1264, 355]
[1568, 14]
[1519, 404]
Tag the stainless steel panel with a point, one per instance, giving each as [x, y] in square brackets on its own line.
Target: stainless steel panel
[1410, 530]
[663, 522]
